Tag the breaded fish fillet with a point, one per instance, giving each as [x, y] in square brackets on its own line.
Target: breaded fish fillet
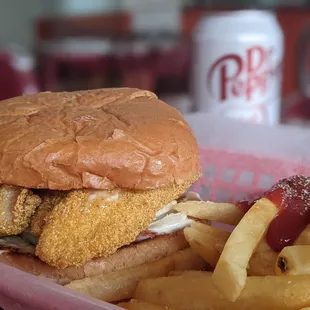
[17, 205]
[49, 200]
[86, 225]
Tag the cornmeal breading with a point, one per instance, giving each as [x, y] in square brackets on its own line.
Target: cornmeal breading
[49, 200]
[79, 229]
[17, 205]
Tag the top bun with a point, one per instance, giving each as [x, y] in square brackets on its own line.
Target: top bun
[97, 139]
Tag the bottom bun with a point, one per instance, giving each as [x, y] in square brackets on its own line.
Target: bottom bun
[126, 257]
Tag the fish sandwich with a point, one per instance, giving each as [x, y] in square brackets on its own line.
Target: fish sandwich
[88, 181]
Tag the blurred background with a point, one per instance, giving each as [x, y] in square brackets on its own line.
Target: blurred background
[83, 44]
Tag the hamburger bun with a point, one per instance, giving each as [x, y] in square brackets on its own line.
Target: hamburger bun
[98, 139]
[129, 256]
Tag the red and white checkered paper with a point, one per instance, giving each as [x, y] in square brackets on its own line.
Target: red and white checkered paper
[239, 161]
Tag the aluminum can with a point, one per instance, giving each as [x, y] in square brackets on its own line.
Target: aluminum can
[237, 65]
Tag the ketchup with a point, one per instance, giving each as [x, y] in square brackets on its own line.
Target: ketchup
[292, 197]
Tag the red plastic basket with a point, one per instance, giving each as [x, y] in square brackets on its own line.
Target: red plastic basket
[230, 176]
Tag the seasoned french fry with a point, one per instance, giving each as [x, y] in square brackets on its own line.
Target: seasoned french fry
[207, 241]
[197, 292]
[293, 260]
[135, 304]
[230, 273]
[226, 213]
[120, 285]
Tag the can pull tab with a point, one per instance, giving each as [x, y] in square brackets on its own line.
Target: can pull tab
[303, 62]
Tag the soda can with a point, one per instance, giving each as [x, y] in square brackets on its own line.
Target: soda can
[237, 66]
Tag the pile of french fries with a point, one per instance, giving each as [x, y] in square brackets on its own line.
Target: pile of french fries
[243, 271]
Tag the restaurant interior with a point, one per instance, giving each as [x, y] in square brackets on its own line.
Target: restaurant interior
[65, 45]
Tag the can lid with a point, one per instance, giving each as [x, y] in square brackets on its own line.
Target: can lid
[244, 14]
[226, 23]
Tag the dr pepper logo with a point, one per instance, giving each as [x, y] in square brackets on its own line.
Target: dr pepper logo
[251, 74]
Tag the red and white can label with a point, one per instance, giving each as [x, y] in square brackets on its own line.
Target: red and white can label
[239, 76]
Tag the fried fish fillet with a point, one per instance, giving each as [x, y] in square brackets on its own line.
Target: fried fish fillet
[83, 226]
[49, 200]
[17, 205]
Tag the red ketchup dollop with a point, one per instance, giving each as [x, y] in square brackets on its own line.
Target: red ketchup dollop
[292, 197]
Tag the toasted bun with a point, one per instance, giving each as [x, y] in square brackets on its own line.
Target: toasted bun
[97, 139]
[126, 257]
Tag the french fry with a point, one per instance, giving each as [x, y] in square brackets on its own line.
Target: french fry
[135, 304]
[226, 213]
[262, 263]
[264, 260]
[206, 241]
[230, 273]
[205, 228]
[304, 237]
[120, 285]
[197, 292]
[293, 260]
[176, 273]
[209, 242]
[124, 305]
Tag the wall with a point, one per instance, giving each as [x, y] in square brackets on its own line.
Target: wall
[154, 15]
[17, 16]
[16, 20]
[75, 7]
[293, 23]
